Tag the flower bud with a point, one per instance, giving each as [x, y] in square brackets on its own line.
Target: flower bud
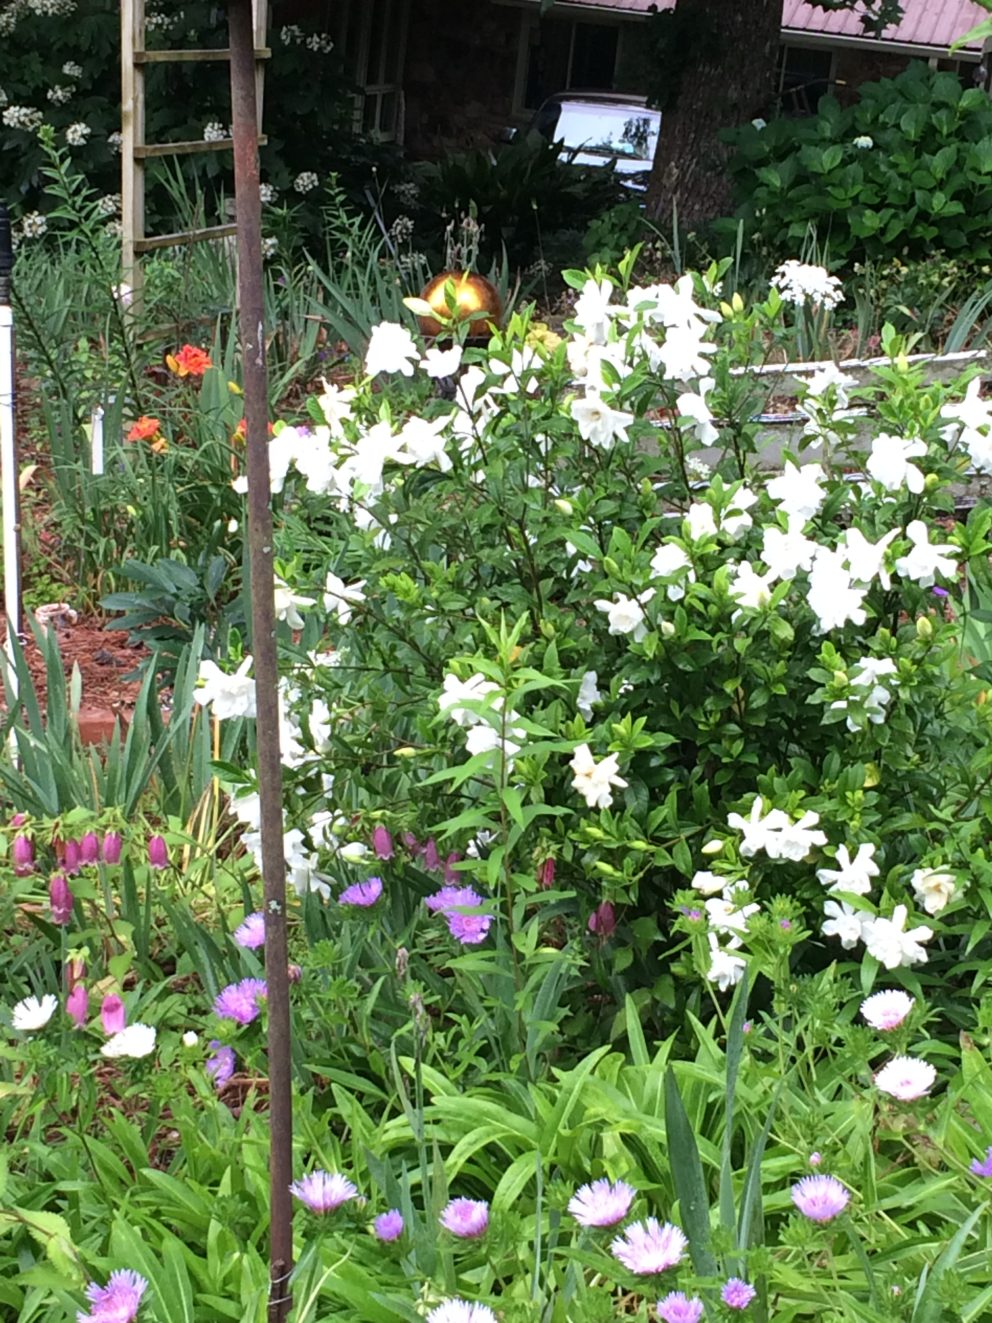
[840, 679]
[451, 874]
[611, 567]
[112, 847]
[19, 819]
[294, 973]
[712, 847]
[432, 859]
[60, 900]
[158, 852]
[22, 852]
[354, 852]
[382, 843]
[113, 1017]
[89, 848]
[71, 856]
[924, 629]
[603, 920]
[546, 874]
[565, 507]
[667, 629]
[190, 1039]
[75, 970]
[77, 1005]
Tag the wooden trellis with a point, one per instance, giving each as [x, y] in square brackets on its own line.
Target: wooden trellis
[135, 151]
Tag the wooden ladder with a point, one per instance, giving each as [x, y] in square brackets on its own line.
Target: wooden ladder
[135, 151]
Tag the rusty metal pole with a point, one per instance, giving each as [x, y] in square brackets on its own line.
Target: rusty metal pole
[252, 323]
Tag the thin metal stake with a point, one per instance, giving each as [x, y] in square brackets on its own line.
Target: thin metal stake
[252, 324]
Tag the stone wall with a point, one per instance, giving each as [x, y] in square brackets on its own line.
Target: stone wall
[461, 65]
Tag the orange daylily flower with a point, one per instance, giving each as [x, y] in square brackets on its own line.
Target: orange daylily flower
[144, 429]
[188, 361]
[241, 431]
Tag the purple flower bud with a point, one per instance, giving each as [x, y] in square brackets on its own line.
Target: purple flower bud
[60, 900]
[411, 843]
[89, 848]
[112, 847]
[77, 1005]
[451, 875]
[382, 843]
[71, 855]
[603, 920]
[432, 859]
[19, 819]
[113, 1017]
[294, 973]
[785, 924]
[388, 1226]
[158, 852]
[546, 874]
[75, 971]
[23, 855]
[221, 1066]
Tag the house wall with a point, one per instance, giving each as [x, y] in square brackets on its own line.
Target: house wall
[852, 67]
[461, 69]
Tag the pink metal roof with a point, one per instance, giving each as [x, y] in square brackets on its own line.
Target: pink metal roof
[930, 23]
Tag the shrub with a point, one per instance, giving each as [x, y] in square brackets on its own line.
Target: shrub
[905, 170]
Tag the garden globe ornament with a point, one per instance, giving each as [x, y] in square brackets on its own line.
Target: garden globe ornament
[459, 296]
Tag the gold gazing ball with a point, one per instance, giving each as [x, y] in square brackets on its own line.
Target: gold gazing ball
[472, 294]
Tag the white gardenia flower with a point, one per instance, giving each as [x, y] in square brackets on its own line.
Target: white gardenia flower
[342, 597]
[335, 404]
[694, 407]
[520, 374]
[798, 491]
[626, 614]
[906, 1078]
[866, 675]
[831, 377]
[726, 917]
[776, 833]
[593, 311]
[926, 560]
[701, 521]
[423, 444]
[707, 883]
[971, 423]
[286, 603]
[670, 562]
[786, 553]
[843, 922]
[891, 945]
[750, 589]
[598, 423]
[832, 595]
[865, 560]
[136, 1040]
[853, 875]
[588, 694]
[457, 692]
[230, 695]
[483, 738]
[889, 462]
[725, 969]
[33, 1013]
[593, 780]
[683, 354]
[758, 826]
[863, 142]
[439, 363]
[800, 283]
[933, 889]
[391, 349]
[735, 520]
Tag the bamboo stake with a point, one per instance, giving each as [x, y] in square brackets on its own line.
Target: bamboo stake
[252, 326]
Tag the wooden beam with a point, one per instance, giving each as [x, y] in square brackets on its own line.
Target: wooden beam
[132, 139]
[184, 237]
[221, 53]
[157, 149]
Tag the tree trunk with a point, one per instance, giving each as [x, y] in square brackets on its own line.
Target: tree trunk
[721, 57]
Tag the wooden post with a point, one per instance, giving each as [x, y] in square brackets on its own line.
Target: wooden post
[132, 137]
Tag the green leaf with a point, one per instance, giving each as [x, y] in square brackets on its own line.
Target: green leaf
[687, 1174]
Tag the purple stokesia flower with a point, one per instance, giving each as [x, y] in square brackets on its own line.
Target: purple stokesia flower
[820, 1198]
[250, 933]
[388, 1226]
[382, 843]
[460, 1311]
[601, 1203]
[221, 1066]
[737, 1294]
[362, 894]
[466, 1218]
[980, 1167]
[239, 1001]
[469, 929]
[678, 1308]
[324, 1191]
[118, 1301]
[649, 1247]
[448, 897]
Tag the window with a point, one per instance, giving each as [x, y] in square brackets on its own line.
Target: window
[565, 55]
[804, 76]
[372, 38]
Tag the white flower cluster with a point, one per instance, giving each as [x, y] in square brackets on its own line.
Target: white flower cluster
[320, 42]
[109, 204]
[115, 141]
[863, 143]
[306, 181]
[291, 34]
[76, 134]
[800, 283]
[214, 131]
[72, 70]
[266, 193]
[33, 225]
[867, 692]
[270, 246]
[59, 95]
[52, 8]
[22, 117]
[594, 781]
[162, 22]
[970, 425]
[478, 706]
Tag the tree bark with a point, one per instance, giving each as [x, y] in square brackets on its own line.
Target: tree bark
[721, 57]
